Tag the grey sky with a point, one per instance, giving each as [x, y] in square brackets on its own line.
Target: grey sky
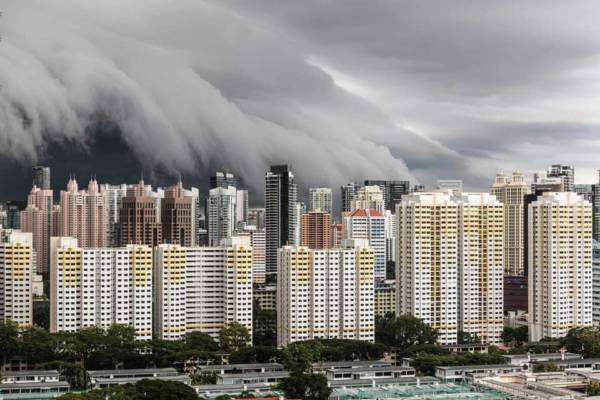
[343, 90]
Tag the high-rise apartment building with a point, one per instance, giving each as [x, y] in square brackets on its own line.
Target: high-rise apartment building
[41, 177]
[13, 214]
[100, 287]
[348, 191]
[392, 191]
[113, 196]
[320, 199]
[16, 274]
[83, 215]
[315, 230]
[256, 217]
[450, 263]
[325, 294]
[258, 244]
[139, 221]
[596, 283]
[560, 264]
[385, 298]
[223, 180]
[37, 219]
[596, 208]
[241, 207]
[368, 198]
[202, 288]
[337, 234]
[177, 214]
[566, 173]
[221, 214]
[281, 213]
[511, 192]
[585, 191]
[368, 224]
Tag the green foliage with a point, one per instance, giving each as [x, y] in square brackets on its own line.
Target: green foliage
[201, 341]
[73, 373]
[403, 332]
[9, 344]
[204, 379]
[255, 354]
[593, 389]
[545, 367]
[305, 386]
[298, 357]
[425, 363]
[468, 338]
[584, 341]
[233, 337]
[515, 336]
[146, 389]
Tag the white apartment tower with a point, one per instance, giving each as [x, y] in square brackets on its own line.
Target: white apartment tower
[560, 264]
[511, 192]
[16, 272]
[221, 214]
[368, 197]
[320, 199]
[450, 263]
[325, 294]
[369, 224]
[100, 287]
[202, 288]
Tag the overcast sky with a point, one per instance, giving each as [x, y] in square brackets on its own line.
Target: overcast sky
[342, 90]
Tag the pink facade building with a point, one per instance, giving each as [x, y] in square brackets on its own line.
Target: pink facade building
[83, 215]
[37, 219]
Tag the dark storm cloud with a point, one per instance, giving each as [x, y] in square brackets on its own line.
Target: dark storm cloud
[341, 90]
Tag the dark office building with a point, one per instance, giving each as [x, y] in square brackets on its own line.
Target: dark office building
[223, 180]
[392, 191]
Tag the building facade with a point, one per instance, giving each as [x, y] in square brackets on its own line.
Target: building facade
[16, 274]
[560, 264]
[281, 213]
[139, 218]
[369, 224]
[511, 192]
[566, 173]
[316, 227]
[368, 198]
[326, 294]
[221, 214]
[320, 199]
[37, 219]
[177, 216]
[100, 287]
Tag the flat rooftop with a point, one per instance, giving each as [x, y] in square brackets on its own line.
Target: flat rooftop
[141, 371]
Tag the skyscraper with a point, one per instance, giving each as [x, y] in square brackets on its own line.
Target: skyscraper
[560, 265]
[220, 212]
[138, 218]
[320, 199]
[450, 263]
[241, 207]
[177, 211]
[281, 213]
[511, 193]
[368, 198]
[13, 213]
[566, 173]
[596, 208]
[223, 180]
[37, 219]
[83, 215]
[369, 225]
[348, 191]
[325, 294]
[41, 177]
[113, 197]
[392, 191]
[316, 227]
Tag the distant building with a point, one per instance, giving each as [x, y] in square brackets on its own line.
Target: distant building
[177, 213]
[13, 213]
[320, 199]
[139, 219]
[369, 225]
[315, 230]
[223, 180]
[453, 185]
[368, 197]
[325, 294]
[596, 208]
[515, 293]
[37, 219]
[392, 191]
[221, 214]
[113, 196]
[566, 173]
[281, 213]
[41, 177]
[596, 283]
[385, 298]
[560, 264]
[511, 192]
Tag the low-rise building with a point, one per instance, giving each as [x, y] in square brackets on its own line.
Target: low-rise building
[36, 384]
[106, 378]
[461, 373]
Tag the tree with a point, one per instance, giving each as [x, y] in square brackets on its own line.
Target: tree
[585, 341]
[306, 386]
[403, 332]
[468, 338]
[201, 341]
[545, 367]
[37, 345]
[9, 344]
[593, 389]
[233, 337]
[515, 336]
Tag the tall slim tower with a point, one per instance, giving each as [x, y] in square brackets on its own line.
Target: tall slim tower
[176, 216]
[37, 219]
[320, 199]
[138, 221]
[280, 213]
[220, 213]
[41, 177]
[348, 191]
[560, 265]
[511, 193]
[566, 173]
